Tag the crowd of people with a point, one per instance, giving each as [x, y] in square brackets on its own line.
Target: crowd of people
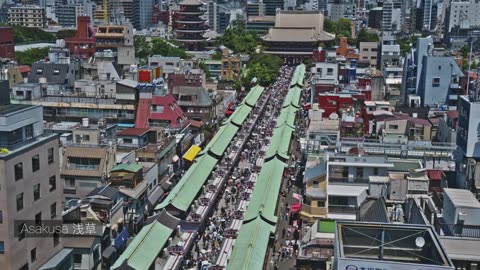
[207, 245]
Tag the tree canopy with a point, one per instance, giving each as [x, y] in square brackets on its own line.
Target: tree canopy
[341, 28]
[365, 36]
[264, 67]
[23, 35]
[30, 56]
[239, 39]
[145, 48]
[62, 34]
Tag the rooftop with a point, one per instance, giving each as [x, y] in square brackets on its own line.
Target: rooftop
[11, 108]
[462, 197]
[399, 246]
[133, 132]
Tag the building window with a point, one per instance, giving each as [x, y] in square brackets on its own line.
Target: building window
[56, 71]
[35, 163]
[53, 210]
[329, 71]
[375, 171]
[77, 258]
[436, 82]
[39, 71]
[2, 247]
[18, 171]
[38, 219]
[36, 192]
[127, 140]
[439, 67]
[392, 126]
[320, 204]
[20, 232]
[315, 184]
[50, 155]
[52, 181]
[20, 201]
[56, 239]
[33, 255]
[359, 173]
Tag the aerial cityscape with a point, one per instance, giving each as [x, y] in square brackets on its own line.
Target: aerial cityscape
[239, 134]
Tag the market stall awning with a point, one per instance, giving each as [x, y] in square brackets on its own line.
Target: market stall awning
[192, 153]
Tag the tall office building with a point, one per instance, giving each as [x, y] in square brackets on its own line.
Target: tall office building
[426, 19]
[30, 189]
[218, 17]
[143, 10]
[463, 14]
[271, 6]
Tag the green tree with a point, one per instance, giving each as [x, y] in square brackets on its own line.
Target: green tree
[161, 47]
[25, 35]
[217, 55]
[239, 39]
[204, 67]
[341, 28]
[30, 56]
[264, 67]
[465, 50]
[63, 34]
[364, 36]
[142, 48]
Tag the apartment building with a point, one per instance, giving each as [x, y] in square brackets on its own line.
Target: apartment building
[30, 189]
[28, 16]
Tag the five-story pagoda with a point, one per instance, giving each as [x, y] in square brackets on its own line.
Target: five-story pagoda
[189, 25]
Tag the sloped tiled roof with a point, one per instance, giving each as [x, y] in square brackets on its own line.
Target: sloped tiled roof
[84, 152]
[169, 113]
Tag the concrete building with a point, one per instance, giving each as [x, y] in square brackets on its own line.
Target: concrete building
[142, 13]
[391, 17]
[86, 167]
[435, 79]
[28, 16]
[375, 17]
[31, 190]
[261, 24]
[271, 6]
[368, 53]
[425, 252]
[340, 9]
[460, 207]
[462, 14]
[255, 9]
[218, 17]
[426, 16]
[67, 14]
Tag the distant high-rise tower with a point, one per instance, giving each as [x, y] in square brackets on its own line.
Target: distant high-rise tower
[426, 13]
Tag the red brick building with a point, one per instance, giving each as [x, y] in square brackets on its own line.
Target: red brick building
[7, 44]
[83, 43]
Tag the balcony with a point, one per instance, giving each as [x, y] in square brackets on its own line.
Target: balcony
[70, 190]
[82, 167]
[342, 209]
[314, 211]
[348, 181]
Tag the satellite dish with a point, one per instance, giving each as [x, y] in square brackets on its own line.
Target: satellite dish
[333, 116]
[420, 242]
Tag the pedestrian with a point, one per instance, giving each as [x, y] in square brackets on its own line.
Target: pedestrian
[283, 232]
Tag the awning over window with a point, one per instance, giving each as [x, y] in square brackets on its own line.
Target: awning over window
[192, 153]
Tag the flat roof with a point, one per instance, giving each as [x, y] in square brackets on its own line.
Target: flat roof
[22, 48]
[11, 108]
[396, 246]
[462, 198]
[461, 248]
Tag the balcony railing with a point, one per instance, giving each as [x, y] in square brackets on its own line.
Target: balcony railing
[346, 180]
[14, 145]
[73, 166]
[342, 209]
[69, 190]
